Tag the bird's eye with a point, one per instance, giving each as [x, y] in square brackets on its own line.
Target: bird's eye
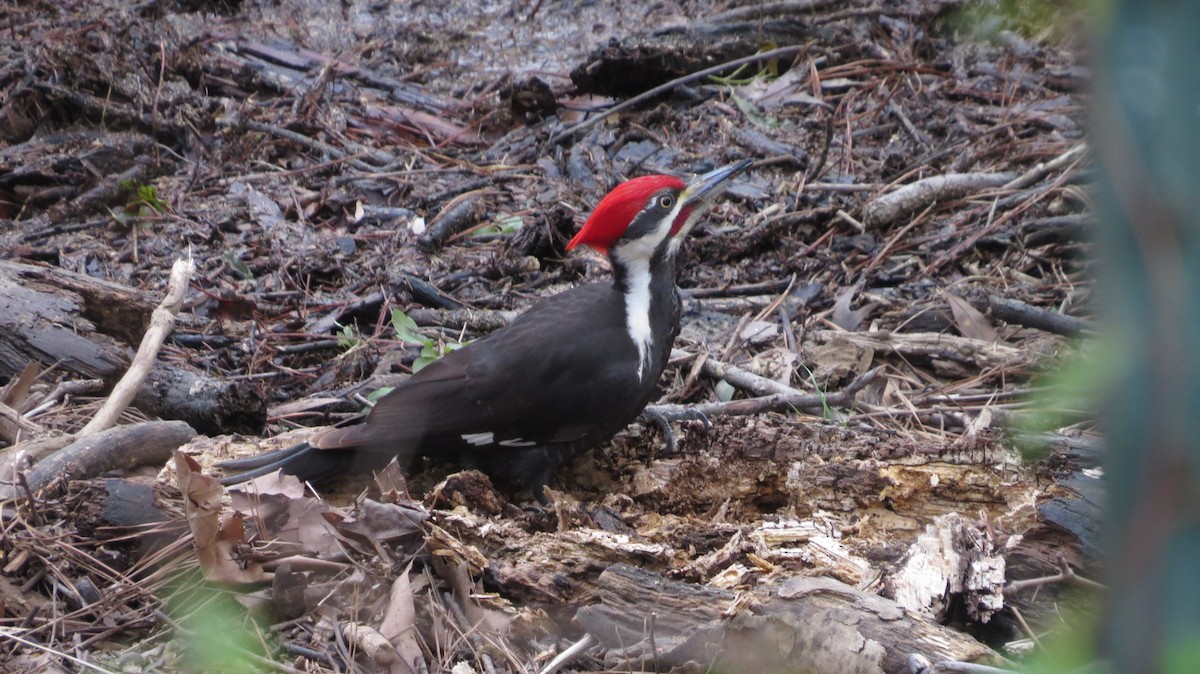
[666, 201]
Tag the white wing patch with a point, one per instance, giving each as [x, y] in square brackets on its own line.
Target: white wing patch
[482, 439]
[479, 439]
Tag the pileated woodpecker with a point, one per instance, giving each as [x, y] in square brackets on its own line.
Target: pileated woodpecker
[558, 380]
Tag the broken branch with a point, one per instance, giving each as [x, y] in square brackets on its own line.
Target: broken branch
[162, 321]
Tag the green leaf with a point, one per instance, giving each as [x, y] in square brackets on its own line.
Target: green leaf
[238, 266]
[406, 329]
[507, 224]
[347, 338]
[378, 393]
[148, 195]
[429, 353]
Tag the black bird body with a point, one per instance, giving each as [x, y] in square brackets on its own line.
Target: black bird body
[561, 378]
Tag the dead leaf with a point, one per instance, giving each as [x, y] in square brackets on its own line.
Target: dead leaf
[285, 514]
[213, 539]
[782, 90]
[399, 625]
[843, 316]
[758, 333]
[383, 522]
[969, 321]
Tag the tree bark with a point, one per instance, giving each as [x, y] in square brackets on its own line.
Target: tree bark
[804, 624]
[85, 326]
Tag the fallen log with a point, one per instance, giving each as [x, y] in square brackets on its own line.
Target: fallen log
[803, 624]
[147, 443]
[85, 326]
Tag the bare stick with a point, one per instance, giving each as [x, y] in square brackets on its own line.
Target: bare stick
[736, 376]
[12, 424]
[1034, 174]
[1015, 311]
[1065, 575]
[570, 654]
[775, 402]
[149, 442]
[887, 208]
[162, 321]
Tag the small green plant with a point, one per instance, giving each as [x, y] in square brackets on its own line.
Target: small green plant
[144, 203]
[507, 224]
[406, 331]
[826, 412]
[348, 337]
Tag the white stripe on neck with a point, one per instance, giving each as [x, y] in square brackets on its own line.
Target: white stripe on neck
[637, 303]
[635, 256]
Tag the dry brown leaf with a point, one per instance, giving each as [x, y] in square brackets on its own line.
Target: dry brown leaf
[399, 625]
[285, 515]
[213, 539]
[383, 522]
[785, 89]
[969, 321]
[843, 316]
[393, 485]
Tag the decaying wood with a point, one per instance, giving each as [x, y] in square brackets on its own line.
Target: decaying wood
[802, 624]
[937, 346]
[953, 559]
[126, 446]
[1019, 313]
[63, 168]
[85, 326]
[1068, 531]
[119, 504]
[644, 94]
[55, 316]
[623, 68]
[462, 212]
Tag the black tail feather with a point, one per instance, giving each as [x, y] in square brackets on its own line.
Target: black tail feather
[304, 461]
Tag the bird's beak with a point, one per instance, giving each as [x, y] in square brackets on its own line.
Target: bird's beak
[713, 183]
[701, 193]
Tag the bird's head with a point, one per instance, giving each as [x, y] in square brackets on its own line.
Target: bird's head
[640, 215]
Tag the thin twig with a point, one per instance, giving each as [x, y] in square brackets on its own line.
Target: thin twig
[568, 655]
[1065, 575]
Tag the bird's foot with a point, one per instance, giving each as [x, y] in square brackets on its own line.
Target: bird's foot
[664, 426]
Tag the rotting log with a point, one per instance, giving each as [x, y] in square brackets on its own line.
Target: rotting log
[803, 624]
[146, 443]
[85, 326]
[1067, 533]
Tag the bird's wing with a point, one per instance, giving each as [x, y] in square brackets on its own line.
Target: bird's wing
[432, 403]
[557, 390]
[543, 378]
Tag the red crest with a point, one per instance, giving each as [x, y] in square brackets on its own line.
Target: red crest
[617, 210]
